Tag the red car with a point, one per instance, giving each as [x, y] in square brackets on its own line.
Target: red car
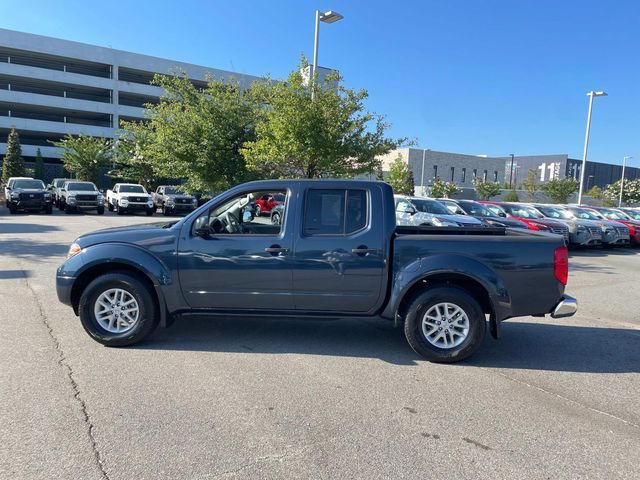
[619, 216]
[529, 215]
[267, 202]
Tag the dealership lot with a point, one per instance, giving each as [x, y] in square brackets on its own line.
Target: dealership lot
[256, 398]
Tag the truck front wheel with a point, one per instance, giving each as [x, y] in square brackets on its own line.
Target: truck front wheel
[445, 325]
[110, 206]
[117, 309]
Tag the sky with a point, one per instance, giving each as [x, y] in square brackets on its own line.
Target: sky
[490, 77]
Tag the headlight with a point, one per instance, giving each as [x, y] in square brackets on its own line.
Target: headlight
[100, 198]
[150, 204]
[169, 201]
[74, 249]
[438, 222]
[15, 195]
[47, 195]
[123, 201]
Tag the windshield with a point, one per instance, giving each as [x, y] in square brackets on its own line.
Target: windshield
[555, 213]
[171, 191]
[430, 206]
[633, 214]
[279, 197]
[584, 214]
[59, 183]
[495, 209]
[523, 211]
[82, 187]
[131, 189]
[477, 209]
[613, 215]
[28, 184]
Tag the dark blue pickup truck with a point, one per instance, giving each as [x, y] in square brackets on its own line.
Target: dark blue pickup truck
[336, 253]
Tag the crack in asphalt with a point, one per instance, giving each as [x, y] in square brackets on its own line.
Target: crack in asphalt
[66, 366]
[566, 399]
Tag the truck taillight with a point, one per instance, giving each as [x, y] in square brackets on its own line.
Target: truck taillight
[561, 264]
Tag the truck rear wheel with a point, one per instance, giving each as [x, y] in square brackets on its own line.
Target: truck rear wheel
[445, 325]
[117, 309]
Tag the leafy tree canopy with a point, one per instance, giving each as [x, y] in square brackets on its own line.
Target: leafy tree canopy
[85, 156]
[400, 177]
[485, 190]
[442, 189]
[559, 190]
[13, 164]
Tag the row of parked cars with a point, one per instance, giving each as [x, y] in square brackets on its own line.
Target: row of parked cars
[580, 225]
[31, 195]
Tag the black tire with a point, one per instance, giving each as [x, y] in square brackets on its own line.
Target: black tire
[420, 306]
[275, 219]
[120, 211]
[61, 205]
[13, 209]
[148, 315]
[100, 210]
[68, 209]
[48, 209]
[110, 206]
[165, 211]
[258, 211]
[150, 211]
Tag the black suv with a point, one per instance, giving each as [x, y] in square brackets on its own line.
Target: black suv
[29, 195]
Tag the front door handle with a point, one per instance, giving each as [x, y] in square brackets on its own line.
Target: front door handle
[275, 249]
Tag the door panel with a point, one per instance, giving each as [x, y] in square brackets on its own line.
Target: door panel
[342, 270]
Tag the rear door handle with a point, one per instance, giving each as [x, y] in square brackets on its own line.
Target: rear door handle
[276, 249]
[363, 250]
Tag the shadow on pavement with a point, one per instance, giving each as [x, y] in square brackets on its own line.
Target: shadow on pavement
[562, 348]
[12, 274]
[342, 338]
[529, 346]
[604, 252]
[27, 228]
[33, 249]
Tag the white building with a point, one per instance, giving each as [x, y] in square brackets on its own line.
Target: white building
[51, 87]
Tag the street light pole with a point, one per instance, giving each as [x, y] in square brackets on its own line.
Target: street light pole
[424, 154]
[511, 173]
[326, 17]
[591, 95]
[624, 163]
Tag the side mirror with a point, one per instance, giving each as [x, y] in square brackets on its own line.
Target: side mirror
[502, 214]
[203, 232]
[247, 215]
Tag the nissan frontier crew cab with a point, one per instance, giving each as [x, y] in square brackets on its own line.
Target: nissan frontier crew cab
[129, 197]
[336, 253]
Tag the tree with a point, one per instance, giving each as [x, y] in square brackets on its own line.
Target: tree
[194, 134]
[85, 156]
[331, 135]
[39, 167]
[630, 193]
[595, 192]
[511, 196]
[131, 155]
[531, 185]
[400, 177]
[485, 190]
[559, 190]
[442, 189]
[12, 164]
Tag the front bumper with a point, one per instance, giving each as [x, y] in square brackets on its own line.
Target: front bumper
[567, 307]
[39, 204]
[64, 284]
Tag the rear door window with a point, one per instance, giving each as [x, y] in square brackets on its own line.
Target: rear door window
[335, 211]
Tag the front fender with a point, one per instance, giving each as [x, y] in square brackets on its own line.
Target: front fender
[115, 253]
[453, 264]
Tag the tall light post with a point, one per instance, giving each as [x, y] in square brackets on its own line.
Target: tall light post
[591, 95]
[326, 17]
[624, 163]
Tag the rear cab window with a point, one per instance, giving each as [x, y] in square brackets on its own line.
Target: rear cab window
[335, 211]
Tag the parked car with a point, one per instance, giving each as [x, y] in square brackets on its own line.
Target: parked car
[617, 215]
[534, 219]
[171, 200]
[415, 211]
[54, 187]
[582, 233]
[76, 196]
[9, 186]
[129, 197]
[338, 253]
[277, 213]
[613, 233]
[481, 212]
[29, 195]
[267, 202]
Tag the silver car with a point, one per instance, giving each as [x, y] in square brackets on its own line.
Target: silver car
[613, 233]
[582, 232]
[415, 211]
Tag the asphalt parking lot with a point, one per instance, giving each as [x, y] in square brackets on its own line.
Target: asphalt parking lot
[255, 398]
